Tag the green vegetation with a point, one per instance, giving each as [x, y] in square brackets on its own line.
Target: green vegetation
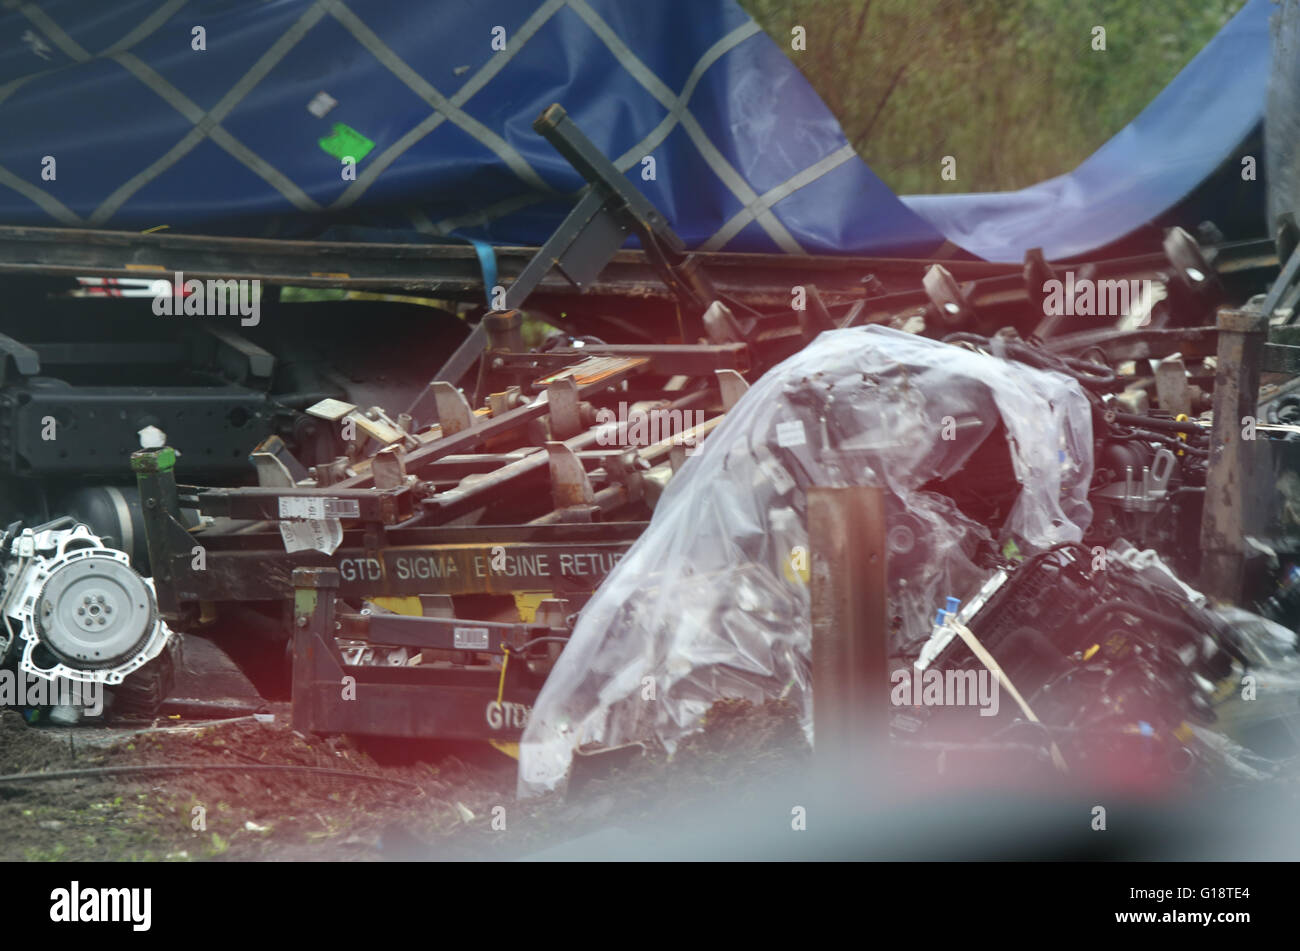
[1012, 89]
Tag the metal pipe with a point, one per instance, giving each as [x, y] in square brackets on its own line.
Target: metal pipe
[850, 620]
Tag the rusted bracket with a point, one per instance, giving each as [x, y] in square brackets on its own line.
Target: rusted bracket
[850, 619]
[1236, 396]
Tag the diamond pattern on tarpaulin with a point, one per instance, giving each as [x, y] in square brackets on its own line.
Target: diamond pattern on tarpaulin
[207, 124]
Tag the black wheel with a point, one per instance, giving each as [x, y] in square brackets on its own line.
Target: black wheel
[142, 693]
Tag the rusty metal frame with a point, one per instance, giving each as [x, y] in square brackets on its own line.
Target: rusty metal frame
[481, 702]
[399, 539]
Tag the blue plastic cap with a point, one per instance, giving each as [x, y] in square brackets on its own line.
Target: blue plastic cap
[953, 605]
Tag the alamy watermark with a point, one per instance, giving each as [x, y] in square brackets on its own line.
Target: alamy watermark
[81, 904]
[25, 689]
[209, 298]
[638, 426]
[945, 688]
[1085, 297]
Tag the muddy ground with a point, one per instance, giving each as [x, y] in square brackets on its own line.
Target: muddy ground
[393, 800]
[735, 789]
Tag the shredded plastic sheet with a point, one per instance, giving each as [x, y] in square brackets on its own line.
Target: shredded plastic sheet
[712, 600]
[1257, 733]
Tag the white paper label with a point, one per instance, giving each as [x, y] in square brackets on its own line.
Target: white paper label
[790, 434]
[324, 535]
[301, 507]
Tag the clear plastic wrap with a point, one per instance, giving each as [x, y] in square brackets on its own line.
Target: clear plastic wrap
[712, 600]
[1257, 719]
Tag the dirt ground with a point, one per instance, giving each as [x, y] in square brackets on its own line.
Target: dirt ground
[380, 800]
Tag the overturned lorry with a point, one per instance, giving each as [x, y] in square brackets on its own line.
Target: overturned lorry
[459, 531]
[1048, 484]
[424, 568]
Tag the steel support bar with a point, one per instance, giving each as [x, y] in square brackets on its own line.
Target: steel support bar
[496, 426]
[436, 633]
[470, 349]
[167, 539]
[314, 593]
[384, 506]
[450, 271]
[1242, 334]
[665, 359]
[571, 560]
[1191, 342]
[456, 500]
[1285, 278]
[850, 619]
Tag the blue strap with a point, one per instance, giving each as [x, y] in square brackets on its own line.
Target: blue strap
[487, 262]
[487, 255]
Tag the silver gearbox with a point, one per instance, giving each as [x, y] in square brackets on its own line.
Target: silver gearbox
[78, 609]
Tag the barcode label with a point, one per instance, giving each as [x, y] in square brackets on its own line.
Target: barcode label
[471, 638]
[304, 506]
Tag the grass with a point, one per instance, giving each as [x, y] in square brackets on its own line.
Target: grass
[1015, 91]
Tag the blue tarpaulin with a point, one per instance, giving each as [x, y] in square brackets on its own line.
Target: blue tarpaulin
[235, 116]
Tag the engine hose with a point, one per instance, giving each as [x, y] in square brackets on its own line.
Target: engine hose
[1079, 551]
[1085, 372]
[1150, 435]
[1154, 618]
[1153, 422]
